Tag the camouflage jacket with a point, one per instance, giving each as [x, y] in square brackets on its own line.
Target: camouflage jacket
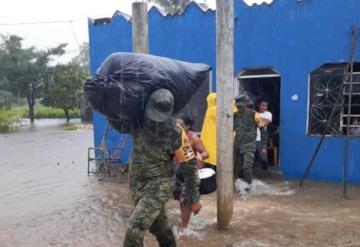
[245, 130]
[153, 151]
[152, 159]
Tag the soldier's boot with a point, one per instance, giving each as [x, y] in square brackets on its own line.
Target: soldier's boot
[162, 231]
[247, 175]
[142, 218]
[134, 237]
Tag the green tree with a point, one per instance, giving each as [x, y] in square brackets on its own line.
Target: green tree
[24, 71]
[82, 59]
[172, 6]
[7, 100]
[64, 89]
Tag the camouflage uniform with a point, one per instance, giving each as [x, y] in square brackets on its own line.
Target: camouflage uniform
[151, 183]
[245, 140]
[245, 145]
[151, 170]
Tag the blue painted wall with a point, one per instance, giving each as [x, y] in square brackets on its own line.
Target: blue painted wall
[294, 37]
[105, 39]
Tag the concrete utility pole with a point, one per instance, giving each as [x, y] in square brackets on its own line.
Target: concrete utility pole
[140, 33]
[224, 101]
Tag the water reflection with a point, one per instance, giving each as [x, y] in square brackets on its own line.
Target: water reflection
[40, 124]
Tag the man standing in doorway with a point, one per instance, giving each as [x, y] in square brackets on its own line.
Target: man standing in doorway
[261, 145]
[246, 121]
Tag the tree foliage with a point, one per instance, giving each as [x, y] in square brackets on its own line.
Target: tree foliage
[24, 71]
[27, 73]
[82, 59]
[64, 89]
[8, 100]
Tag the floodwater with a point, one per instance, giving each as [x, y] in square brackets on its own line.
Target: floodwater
[47, 199]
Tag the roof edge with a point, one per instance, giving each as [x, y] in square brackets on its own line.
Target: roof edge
[106, 20]
[259, 3]
[203, 7]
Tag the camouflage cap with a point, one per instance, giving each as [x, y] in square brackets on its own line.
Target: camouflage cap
[160, 105]
[244, 98]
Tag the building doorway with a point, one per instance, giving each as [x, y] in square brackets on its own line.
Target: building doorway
[264, 83]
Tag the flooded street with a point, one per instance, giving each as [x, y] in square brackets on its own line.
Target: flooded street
[47, 199]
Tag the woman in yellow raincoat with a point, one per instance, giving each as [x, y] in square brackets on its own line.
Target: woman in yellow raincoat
[208, 132]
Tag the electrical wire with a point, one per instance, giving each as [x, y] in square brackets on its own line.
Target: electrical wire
[74, 34]
[71, 22]
[40, 22]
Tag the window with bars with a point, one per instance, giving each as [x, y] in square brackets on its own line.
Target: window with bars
[330, 98]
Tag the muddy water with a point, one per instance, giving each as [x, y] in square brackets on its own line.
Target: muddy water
[47, 199]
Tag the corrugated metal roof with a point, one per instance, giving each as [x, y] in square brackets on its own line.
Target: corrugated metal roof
[258, 2]
[119, 13]
[202, 6]
[107, 20]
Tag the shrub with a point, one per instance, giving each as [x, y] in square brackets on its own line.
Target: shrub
[45, 112]
[74, 113]
[9, 120]
[48, 112]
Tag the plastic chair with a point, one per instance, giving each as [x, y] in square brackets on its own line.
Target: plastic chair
[107, 157]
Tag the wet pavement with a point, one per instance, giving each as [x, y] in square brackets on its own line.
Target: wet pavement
[47, 199]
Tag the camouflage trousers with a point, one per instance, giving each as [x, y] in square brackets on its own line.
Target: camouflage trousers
[149, 213]
[243, 163]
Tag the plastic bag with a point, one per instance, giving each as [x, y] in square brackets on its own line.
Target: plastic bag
[123, 83]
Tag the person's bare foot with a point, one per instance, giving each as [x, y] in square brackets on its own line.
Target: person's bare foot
[181, 226]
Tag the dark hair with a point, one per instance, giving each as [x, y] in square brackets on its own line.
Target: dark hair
[261, 100]
[186, 119]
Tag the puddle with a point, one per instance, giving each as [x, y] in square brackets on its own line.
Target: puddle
[259, 187]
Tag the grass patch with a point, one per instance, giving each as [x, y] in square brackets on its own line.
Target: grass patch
[74, 113]
[46, 112]
[9, 120]
[70, 127]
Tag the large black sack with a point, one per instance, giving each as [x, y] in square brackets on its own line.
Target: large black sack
[124, 82]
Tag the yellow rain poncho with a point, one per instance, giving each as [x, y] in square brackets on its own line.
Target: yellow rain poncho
[208, 132]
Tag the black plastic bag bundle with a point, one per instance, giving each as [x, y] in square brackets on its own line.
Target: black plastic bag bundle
[124, 82]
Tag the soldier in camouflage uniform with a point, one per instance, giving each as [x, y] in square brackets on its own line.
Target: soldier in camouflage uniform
[245, 126]
[151, 172]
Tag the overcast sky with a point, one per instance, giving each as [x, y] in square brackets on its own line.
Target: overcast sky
[48, 35]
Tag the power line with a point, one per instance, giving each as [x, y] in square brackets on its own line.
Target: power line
[40, 22]
[74, 34]
[71, 22]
